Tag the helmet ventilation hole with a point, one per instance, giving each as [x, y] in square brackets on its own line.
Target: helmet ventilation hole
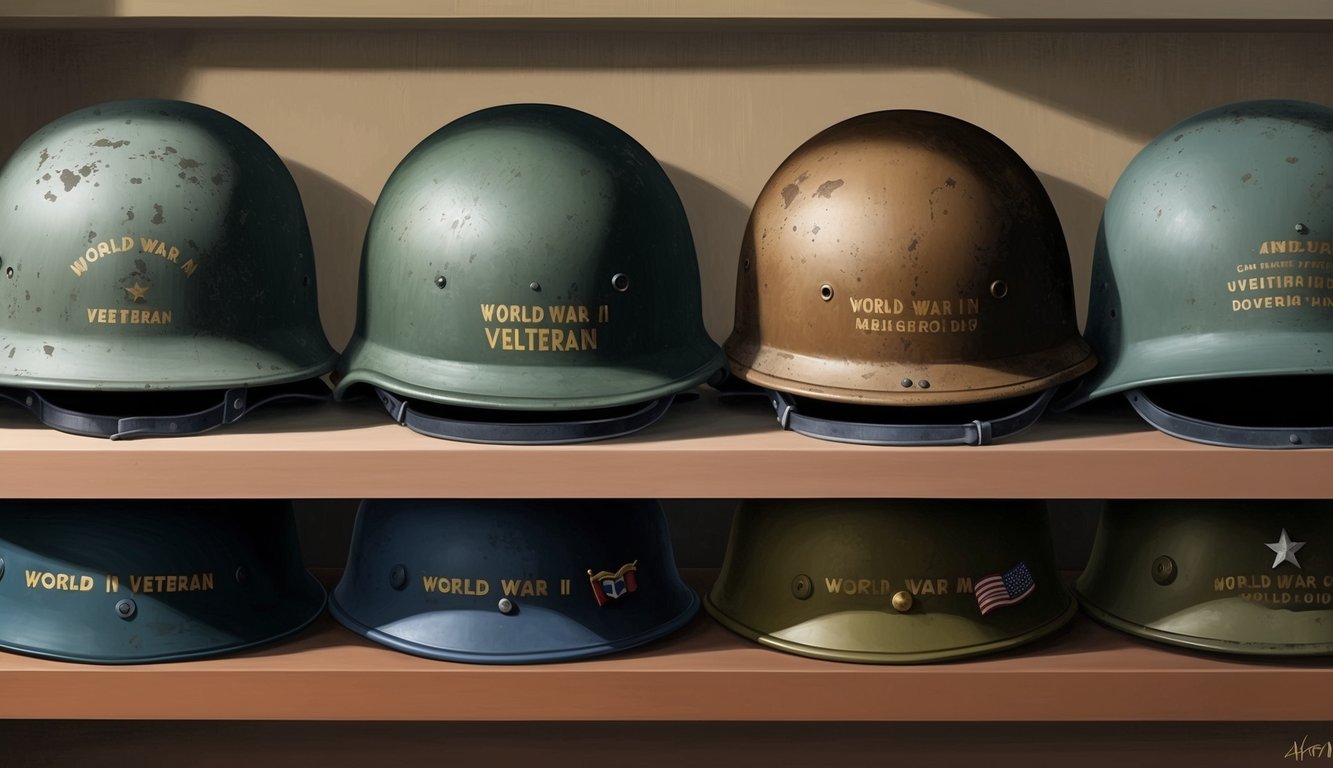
[620, 281]
[9, 271]
[999, 289]
[826, 292]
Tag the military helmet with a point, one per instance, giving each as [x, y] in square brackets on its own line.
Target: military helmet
[157, 272]
[1212, 281]
[1245, 577]
[511, 582]
[130, 582]
[890, 582]
[905, 258]
[528, 277]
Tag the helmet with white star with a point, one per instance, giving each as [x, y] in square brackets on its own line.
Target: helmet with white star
[1246, 577]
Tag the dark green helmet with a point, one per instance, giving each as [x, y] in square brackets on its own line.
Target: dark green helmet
[528, 277]
[1246, 577]
[129, 582]
[890, 582]
[512, 582]
[157, 273]
[1212, 281]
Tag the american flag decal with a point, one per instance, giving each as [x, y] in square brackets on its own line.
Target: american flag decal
[998, 590]
[608, 585]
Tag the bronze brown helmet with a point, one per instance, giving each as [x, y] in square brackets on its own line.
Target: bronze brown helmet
[1245, 577]
[890, 581]
[905, 258]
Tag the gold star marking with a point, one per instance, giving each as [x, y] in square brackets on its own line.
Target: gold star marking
[137, 291]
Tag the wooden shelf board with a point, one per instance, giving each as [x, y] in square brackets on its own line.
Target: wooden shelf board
[701, 449]
[704, 673]
[190, 11]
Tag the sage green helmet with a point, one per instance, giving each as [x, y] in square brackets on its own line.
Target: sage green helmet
[1212, 281]
[1245, 577]
[528, 277]
[156, 273]
[130, 582]
[890, 581]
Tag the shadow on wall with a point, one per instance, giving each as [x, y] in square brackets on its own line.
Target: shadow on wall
[338, 217]
[717, 221]
[1135, 82]
[1079, 210]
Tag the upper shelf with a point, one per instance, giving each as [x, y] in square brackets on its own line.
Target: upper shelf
[949, 11]
[701, 449]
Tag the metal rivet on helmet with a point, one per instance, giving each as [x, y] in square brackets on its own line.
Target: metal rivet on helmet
[586, 207]
[917, 211]
[129, 582]
[890, 581]
[165, 249]
[509, 582]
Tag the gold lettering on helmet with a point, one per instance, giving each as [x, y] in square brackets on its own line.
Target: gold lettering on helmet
[1286, 589]
[176, 582]
[537, 328]
[1284, 283]
[98, 252]
[61, 582]
[894, 315]
[126, 316]
[847, 585]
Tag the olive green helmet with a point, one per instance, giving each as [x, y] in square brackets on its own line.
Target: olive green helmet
[890, 582]
[1211, 303]
[1245, 577]
[130, 582]
[156, 271]
[904, 280]
[528, 277]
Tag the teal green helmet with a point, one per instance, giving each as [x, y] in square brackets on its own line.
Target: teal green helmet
[528, 277]
[1233, 576]
[156, 273]
[1211, 302]
[131, 582]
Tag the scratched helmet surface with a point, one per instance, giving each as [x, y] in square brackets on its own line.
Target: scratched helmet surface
[910, 260]
[890, 582]
[1244, 577]
[511, 582]
[529, 263]
[154, 247]
[131, 582]
[1212, 280]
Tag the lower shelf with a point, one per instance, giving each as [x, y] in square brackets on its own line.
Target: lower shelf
[704, 673]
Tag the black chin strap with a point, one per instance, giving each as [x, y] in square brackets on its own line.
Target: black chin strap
[1212, 433]
[523, 433]
[977, 432]
[233, 404]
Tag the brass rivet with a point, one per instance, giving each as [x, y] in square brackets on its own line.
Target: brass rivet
[126, 609]
[506, 606]
[398, 577]
[534, 285]
[902, 601]
[1301, 229]
[802, 587]
[923, 384]
[440, 281]
[906, 382]
[1164, 570]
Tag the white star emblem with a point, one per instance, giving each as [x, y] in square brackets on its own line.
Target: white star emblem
[1286, 549]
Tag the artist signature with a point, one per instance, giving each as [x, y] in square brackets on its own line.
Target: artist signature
[1302, 750]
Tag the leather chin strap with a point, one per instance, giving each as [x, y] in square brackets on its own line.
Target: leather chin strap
[523, 433]
[977, 432]
[1228, 435]
[232, 405]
